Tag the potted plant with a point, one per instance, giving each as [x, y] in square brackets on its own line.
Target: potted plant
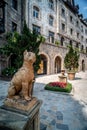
[71, 62]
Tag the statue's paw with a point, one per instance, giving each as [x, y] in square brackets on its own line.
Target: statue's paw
[27, 98]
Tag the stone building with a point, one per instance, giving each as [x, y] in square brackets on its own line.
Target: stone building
[61, 24]
[11, 19]
[58, 21]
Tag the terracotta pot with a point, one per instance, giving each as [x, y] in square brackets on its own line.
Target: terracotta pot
[71, 75]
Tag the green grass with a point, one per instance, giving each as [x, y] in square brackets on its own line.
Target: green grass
[67, 89]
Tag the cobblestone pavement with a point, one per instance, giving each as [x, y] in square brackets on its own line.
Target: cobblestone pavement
[59, 111]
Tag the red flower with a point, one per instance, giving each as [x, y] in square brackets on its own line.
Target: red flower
[58, 84]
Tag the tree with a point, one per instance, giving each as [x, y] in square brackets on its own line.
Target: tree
[18, 43]
[71, 59]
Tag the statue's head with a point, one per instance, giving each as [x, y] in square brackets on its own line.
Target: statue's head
[29, 56]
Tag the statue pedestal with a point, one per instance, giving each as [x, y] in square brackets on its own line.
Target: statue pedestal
[24, 117]
[62, 78]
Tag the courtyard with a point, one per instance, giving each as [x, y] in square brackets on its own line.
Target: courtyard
[59, 111]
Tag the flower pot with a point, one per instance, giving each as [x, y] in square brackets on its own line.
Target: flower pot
[71, 75]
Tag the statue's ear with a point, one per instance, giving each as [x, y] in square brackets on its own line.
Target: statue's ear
[25, 52]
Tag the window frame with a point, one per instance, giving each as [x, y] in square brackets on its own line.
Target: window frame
[2, 19]
[63, 12]
[15, 4]
[71, 31]
[36, 28]
[15, 25]
[85, 31]
[51, 4]
[36, 12]
[51, 20]
[51, 37]
[63, 28]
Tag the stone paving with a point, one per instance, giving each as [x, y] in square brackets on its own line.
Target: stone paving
[59, 111]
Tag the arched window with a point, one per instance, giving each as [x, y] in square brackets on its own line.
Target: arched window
[36, 12]
[51, 19]
[51, 4]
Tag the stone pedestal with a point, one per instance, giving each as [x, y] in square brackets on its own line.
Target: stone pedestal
[20, 118]
[62, 78]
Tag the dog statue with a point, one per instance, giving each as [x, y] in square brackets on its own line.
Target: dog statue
[23, 78]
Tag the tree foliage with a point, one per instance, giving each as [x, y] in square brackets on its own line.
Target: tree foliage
[18, 43]
[71, 59]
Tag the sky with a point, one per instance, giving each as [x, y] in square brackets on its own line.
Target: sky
[82, 7]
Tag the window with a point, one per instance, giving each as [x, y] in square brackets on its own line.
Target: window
[14, 4]
[86, 41]
[71, 19]
[77, 45]
[86, 31]
[14, 27]
[71, 31]
[86, 49]
[81, 28]
[77, 24]
[82, 38]
[51, 37]
[37, 29]
[63, 27]
[82, 47]
[1, 12]
[2, 17]
[77, 35]
[62, 40]
[51, 4]
[63, 12]
[50, 20]
[70, 42]
[35, 12]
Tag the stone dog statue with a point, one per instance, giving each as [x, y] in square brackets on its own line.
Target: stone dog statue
[22, 80]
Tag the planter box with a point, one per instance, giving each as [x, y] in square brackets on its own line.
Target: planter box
[71, 75]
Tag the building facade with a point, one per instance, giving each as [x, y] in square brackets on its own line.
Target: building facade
[58, 21]
[11, 19]
[61, 24]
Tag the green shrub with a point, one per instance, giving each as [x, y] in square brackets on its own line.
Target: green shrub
[67, 89]
[9, 71]
[57, 43]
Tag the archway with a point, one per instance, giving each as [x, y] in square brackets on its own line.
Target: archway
[12, 60]
[43, 65]
[83, 65]
[57, 64]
